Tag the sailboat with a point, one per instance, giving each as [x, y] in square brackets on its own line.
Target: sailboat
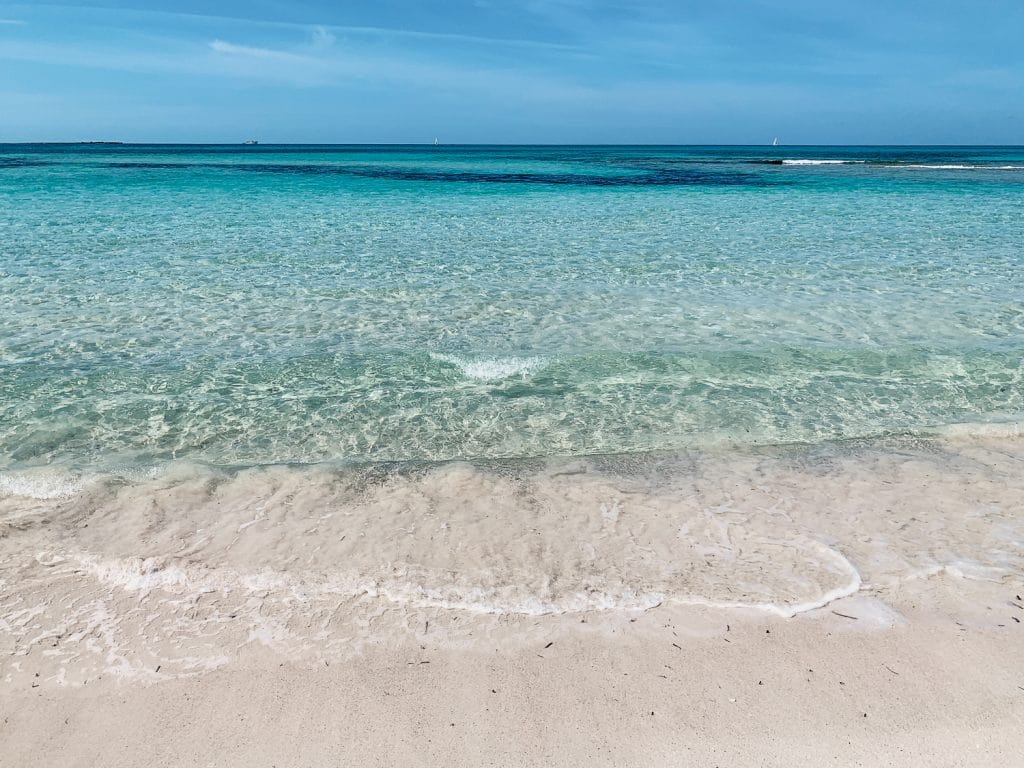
[436, 142]
[775, 141]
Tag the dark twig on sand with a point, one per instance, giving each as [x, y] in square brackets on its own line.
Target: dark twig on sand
[845, 615]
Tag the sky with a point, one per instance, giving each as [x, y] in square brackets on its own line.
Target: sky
[521, 71]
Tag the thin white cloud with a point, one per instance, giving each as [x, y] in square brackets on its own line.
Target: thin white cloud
[232, 49]
[310, 66]
[451, 36]
[13, 22]
[339, 29]
[343, 66]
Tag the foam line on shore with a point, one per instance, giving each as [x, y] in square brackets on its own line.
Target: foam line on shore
[788, 611]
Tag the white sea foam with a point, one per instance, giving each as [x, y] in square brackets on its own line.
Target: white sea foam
[788, 610]
[821, 162]
[917, 166]
[41, 484]
[492, 368]
[517, 601]
[138, 575]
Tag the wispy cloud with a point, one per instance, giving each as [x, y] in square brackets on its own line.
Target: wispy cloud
[232, 49]
[124, 14]
[321, 63]
[646, 68]
[451, 37]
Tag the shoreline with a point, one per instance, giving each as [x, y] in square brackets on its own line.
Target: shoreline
[317, 616]
[783, 531]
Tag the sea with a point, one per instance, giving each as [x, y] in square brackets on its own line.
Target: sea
[507, 379]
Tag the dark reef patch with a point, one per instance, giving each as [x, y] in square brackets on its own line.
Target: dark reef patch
[649, 177]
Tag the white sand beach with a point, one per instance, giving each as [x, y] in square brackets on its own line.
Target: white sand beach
[581, 612]
[943, 685]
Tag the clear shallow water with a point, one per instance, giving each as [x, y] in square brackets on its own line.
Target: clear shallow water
[258, 305]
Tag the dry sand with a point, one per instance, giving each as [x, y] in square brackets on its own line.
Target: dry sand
[675, 687]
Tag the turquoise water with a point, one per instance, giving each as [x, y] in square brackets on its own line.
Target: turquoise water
[271, 304]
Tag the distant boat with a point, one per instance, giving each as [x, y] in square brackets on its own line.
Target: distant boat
[775, 141]
[436, 142]
[250, 141]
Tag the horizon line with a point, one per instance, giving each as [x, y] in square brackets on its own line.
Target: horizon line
[258, 145]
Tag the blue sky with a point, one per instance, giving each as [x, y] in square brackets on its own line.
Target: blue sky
[588, 71]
